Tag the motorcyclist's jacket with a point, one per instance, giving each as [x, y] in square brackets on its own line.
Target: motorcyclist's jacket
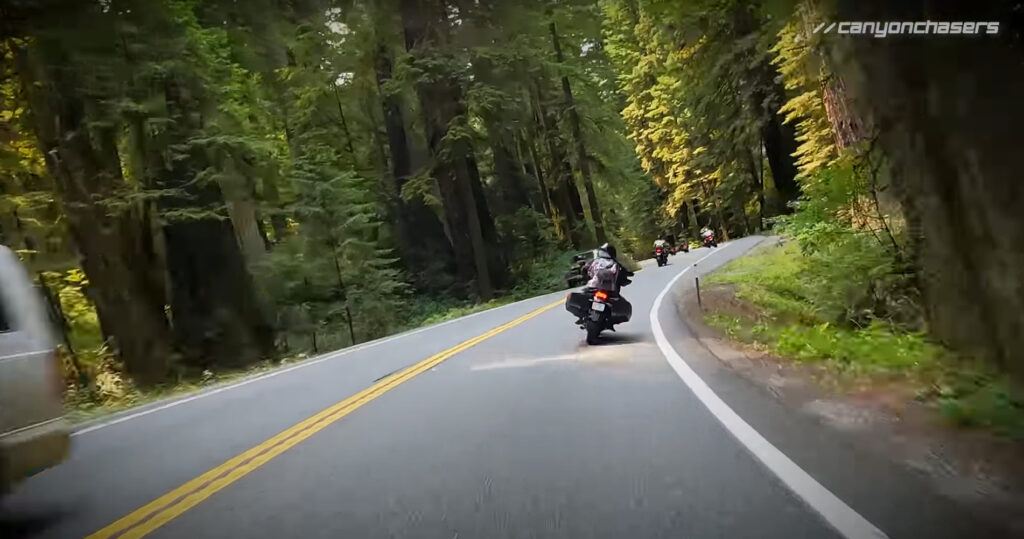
[661, 243]
[606, 273]
[603, 274]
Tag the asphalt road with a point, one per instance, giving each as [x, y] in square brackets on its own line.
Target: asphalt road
[528, 433]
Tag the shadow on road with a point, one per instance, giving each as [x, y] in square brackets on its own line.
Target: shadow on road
[613, 339]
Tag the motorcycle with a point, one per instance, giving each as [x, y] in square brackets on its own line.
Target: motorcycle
[598, 310]
[709, 241]
[660, 256]
[684, 247]
[576, 276]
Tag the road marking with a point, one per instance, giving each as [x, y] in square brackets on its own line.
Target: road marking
[307, 363]
[834, 511]
[524, 362]
[165, 508]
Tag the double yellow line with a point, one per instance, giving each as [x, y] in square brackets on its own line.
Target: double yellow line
[165, 508]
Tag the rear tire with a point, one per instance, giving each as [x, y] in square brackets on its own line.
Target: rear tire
[593, 330]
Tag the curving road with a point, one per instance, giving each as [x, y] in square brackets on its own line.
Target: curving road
[500, 424]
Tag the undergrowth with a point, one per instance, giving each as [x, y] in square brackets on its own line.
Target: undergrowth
[796, 318]
[108, 390]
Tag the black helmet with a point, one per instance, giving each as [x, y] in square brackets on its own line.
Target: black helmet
[609, 248]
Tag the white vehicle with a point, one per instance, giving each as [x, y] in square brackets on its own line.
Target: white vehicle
[33, 433]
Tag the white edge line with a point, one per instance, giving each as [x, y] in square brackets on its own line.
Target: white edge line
[306, 363]
[834, 511]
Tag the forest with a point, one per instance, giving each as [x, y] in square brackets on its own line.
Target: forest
[205, 185]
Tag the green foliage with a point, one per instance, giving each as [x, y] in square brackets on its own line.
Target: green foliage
[531, 278]
[93, 376]
[426, 313]
[796, 307]
[532, 233]
[334, 272]
[820, 296]
[872, 349]
[696, 100]
[852, 249]
[798, 54]
[70, 290]
[986, 400]
[421, 187]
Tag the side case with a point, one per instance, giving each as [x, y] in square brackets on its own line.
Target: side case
[622, 311]
[577, 303]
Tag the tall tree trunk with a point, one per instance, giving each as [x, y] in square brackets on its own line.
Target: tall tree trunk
[343, 291]
[243, 214]
[582, 160]
[507, 171]
[114, 247]
[527, 163]
[756, 172]
[343, 123]
[271, 195]
[699, 220]
[492, 243]
[847, 129]
[531, 134]
[388, 191]
[720, 217]
[426, 32]
[217, 318]
[550, 207]
[954, 161]
[273, 181]
[422, 239]
[768, 96]
[239, 194]
[684, 220]
[511, 191]
[780, 145]
[563, 188]
[468, 184]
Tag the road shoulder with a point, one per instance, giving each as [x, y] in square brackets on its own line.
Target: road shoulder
[857, 468]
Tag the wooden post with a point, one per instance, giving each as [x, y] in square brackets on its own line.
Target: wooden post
[696, 282]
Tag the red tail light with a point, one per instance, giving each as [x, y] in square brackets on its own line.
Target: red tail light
[658, 251]
[601, 294]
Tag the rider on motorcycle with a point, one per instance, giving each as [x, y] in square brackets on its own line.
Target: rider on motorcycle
[606, 273]
[660, 243]
[607, 276]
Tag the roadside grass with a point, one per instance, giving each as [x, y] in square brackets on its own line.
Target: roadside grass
[789, 320]
[116, 394]
[111, 392]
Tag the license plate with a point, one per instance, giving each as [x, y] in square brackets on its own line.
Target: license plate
[597, 306]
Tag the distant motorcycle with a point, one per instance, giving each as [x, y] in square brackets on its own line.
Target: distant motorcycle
[660, 256]
[575, 276]
[684, 247]
[709, 241]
